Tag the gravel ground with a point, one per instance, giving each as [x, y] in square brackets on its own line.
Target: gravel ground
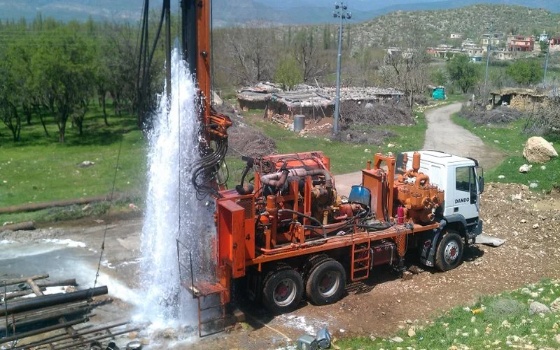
[529, 222]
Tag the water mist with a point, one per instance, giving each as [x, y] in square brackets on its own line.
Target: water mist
[172, 209]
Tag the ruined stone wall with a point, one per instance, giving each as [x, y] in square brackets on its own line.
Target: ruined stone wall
[524, 103]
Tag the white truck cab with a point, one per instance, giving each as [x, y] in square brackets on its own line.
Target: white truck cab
[462, 180]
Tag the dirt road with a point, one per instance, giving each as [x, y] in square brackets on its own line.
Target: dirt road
[444, 135]
[441, 135]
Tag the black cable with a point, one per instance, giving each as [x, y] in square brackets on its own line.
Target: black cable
[305, 216]
[107, 224]
[378, 227]
[207, 168]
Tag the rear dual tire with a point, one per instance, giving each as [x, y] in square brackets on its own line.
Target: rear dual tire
[282, 291]
[326, 282]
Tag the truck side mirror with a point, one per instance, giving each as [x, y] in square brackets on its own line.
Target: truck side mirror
[481, 184]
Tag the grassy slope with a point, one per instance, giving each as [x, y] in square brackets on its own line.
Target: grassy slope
[511, 140]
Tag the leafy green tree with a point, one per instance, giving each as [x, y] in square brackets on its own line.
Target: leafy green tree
[439, 77]
[525, 72]
[9, 97]
[288, 73]
[63, 66]
[12, 87]
[463, 72]
[18, 57]
[116, 67]
[543, 46]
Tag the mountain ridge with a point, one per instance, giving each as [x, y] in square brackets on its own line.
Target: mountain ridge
[289, 12]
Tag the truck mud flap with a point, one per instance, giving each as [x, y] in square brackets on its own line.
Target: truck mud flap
[429, 250]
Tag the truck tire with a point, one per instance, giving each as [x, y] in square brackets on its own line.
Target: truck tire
[449, 252]
[311, 264]
[326, 283]
[282, 291]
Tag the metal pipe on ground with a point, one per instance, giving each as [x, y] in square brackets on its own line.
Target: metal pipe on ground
[28, 318]
[42, 330]
[13, 281]
[50, 300]
[78, 333]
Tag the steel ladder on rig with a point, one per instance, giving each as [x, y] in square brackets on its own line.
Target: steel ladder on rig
[211, 309]
[361, 261]
[210, 298]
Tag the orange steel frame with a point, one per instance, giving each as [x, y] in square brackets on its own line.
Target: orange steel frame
[236, 225]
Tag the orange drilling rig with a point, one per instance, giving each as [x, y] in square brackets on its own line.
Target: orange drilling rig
[287, 235]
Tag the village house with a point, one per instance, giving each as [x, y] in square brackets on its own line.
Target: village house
[554, 43]
[521, 43]
[491, 39]
[503, 55]
[518, 98]
[456, 36]
[468, 43]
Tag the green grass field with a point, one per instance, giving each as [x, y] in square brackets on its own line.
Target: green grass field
[510, 139]
[40, 169]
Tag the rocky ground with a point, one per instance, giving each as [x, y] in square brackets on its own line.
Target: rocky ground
[528, 221]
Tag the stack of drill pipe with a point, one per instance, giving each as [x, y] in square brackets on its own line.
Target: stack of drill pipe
[34, 313]
[42, 285]
[29, 320]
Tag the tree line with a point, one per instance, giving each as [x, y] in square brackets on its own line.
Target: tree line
[52, 71]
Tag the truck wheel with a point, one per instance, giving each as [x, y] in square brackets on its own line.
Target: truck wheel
[326, 283]
[449, 252]
[282, 291]
[311, 264]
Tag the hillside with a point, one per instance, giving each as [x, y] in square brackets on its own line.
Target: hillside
[242, 11]
[407, 28]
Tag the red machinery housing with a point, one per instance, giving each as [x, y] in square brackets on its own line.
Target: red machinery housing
[286, 233]
[289, 222]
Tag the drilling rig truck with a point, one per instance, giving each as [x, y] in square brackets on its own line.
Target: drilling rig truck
[288, 235]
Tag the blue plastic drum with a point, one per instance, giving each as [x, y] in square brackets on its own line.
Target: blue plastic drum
[360, 194]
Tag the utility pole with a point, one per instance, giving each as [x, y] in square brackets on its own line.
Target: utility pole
[546, 64]
[340, 11]
[488, 58]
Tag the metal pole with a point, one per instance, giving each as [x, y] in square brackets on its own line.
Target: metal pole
[338, 61]
[340, 12]
[488, 58]
[546, 64]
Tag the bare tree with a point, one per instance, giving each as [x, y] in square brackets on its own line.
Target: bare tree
[306, 52]
[244, 55]
[406, 70]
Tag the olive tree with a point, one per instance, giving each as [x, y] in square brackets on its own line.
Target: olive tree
[64, 76]
[463, 72]
[525, 72]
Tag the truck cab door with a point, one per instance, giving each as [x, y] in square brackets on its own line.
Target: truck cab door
[466, 193]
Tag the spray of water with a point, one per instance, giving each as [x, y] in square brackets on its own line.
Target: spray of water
[172, 210]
